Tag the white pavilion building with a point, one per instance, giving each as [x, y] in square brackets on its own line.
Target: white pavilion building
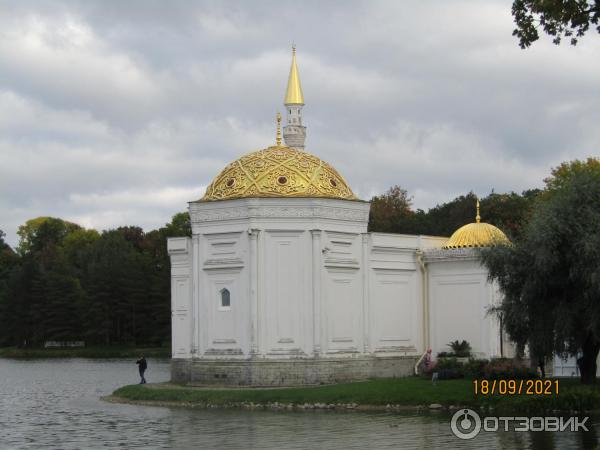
[281, 284]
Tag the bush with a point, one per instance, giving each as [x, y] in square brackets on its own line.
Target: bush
[475, 368]
[496, 369]
[460, 349]
[448, 364]
[447, 369]
[506, 368]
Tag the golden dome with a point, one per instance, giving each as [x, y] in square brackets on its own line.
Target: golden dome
[278, 171]
[476, 234]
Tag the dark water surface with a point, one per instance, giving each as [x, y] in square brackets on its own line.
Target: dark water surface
[55, 404]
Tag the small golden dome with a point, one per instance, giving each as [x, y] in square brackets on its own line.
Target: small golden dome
[278, 171]
[476, 234]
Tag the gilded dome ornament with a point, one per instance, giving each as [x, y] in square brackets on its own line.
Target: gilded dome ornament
[476, 235]
[293, 93]
[278, 171]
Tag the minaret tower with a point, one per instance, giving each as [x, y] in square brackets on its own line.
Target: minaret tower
[294, 133]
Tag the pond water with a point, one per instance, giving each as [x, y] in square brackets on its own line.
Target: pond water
[56, 404]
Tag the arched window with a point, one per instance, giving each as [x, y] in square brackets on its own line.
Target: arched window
[225, 298]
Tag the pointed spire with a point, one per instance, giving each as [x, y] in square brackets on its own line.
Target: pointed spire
[278, 138]
[477, 217]
[293, 95]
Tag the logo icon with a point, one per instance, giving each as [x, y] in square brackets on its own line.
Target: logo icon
[465, 424]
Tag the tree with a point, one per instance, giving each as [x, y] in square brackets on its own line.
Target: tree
[9, 265]
[40, 231]
[117, 290]
[510, 211]
[8, 258]
[445, 219]
[179, 226]
[390, 210]
[550, 278]
[557, 18]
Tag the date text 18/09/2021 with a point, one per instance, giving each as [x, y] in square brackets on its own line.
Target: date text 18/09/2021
[515, 387]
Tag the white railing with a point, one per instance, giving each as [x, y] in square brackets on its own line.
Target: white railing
[419, 363]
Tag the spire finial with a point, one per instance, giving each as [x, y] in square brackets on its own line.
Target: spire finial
[293, 94]
[278, 138]
[478, 217]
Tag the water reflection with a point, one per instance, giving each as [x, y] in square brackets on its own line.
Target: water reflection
[55, 403]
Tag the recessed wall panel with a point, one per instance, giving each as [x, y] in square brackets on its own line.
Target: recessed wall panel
[285, 290]
[393, 304]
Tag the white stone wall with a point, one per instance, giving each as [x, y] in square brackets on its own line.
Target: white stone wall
[459, 300]
[306, 280]
[395, 309]
[181, 296]
[293, 269]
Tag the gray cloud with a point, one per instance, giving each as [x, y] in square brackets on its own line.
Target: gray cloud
[116, 113]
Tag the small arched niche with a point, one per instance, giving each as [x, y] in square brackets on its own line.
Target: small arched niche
[225, 298]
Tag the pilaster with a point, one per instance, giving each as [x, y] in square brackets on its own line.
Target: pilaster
[196, 319]
[316, 290]
[365, 283]
[253, 234]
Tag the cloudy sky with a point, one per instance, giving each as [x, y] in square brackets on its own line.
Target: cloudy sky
[117, 113]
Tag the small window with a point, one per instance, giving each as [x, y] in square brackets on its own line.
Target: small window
[225, 298]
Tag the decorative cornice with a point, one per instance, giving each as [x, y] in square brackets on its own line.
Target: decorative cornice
[201, 213]
[451, 254]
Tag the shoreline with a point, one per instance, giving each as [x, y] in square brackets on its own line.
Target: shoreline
[410, 394]
[276, 406]
[96, 352]
[400, 394]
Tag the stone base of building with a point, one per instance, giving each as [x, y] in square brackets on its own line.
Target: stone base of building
[289, 372]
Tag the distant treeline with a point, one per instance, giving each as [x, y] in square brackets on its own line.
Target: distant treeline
[65, 283]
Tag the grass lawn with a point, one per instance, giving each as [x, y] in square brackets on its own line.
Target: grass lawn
[85, 352]
[406, 391]
[410, 391]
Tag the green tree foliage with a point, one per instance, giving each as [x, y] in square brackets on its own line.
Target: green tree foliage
[8, 258]
[557, 18]
[41, 231]
[445, 219]
[116, 282]
[550, 277]
[510, 211]
[9, 264]
[77, 246]
[391, 212]
[179, 226]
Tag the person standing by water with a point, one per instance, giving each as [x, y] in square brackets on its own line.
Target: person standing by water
[142, 366]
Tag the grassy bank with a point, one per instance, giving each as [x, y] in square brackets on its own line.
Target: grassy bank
[390, 393]
[85, 352]
[407, 391]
